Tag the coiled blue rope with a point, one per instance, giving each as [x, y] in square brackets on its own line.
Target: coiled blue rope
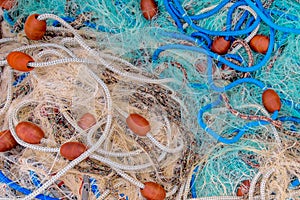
[189, 20]
[238, 24]
[263, 14]
[218, 57]
[223, 33]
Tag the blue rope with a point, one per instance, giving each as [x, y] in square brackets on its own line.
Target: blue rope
[203, 36]
[209, 71]
[259, 9]
[7, 18]
[260, 6]
[192, 183]
[268, 21]
[198, 85]
[189, 20]
[173, 15]
[20, 79]
[289, 118]
[35, 179]
[250, 21]
[175, 11]
[235, 83]
[291, 104]
[218, 57]
[230, 12]
[224, 33]
[294, 183]
[239, 134]
[233, 56]
[18, 188]
[242, 20]
[231, 85]
[94, 187]
[181, 36]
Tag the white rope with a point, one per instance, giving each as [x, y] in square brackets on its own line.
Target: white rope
[252, 185]
[164, 148]
[12, 120]
[263, 183]
[86, 153]
[97, 56]
[130, 179]
[9, 92]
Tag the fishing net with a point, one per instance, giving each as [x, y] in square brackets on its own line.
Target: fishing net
[125, 64]
[56, 99]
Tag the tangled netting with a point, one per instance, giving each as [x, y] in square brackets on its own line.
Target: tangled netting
[211, 136]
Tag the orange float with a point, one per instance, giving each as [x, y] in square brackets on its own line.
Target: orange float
[220, 45]
[72, 150]
[7, 4]
[260, 43]
[34, 28]
[29, 132]
[86, 121]
[7, 141]
[149, 8]
[243, 189]
[153, 191]
[138, 124]
[271, 100]
[19, 61]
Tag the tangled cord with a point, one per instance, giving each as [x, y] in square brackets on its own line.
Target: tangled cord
[105, 125]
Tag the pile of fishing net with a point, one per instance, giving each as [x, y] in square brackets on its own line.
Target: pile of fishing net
[101, 64]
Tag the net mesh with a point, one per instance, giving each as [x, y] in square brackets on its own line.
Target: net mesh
[117, 31]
